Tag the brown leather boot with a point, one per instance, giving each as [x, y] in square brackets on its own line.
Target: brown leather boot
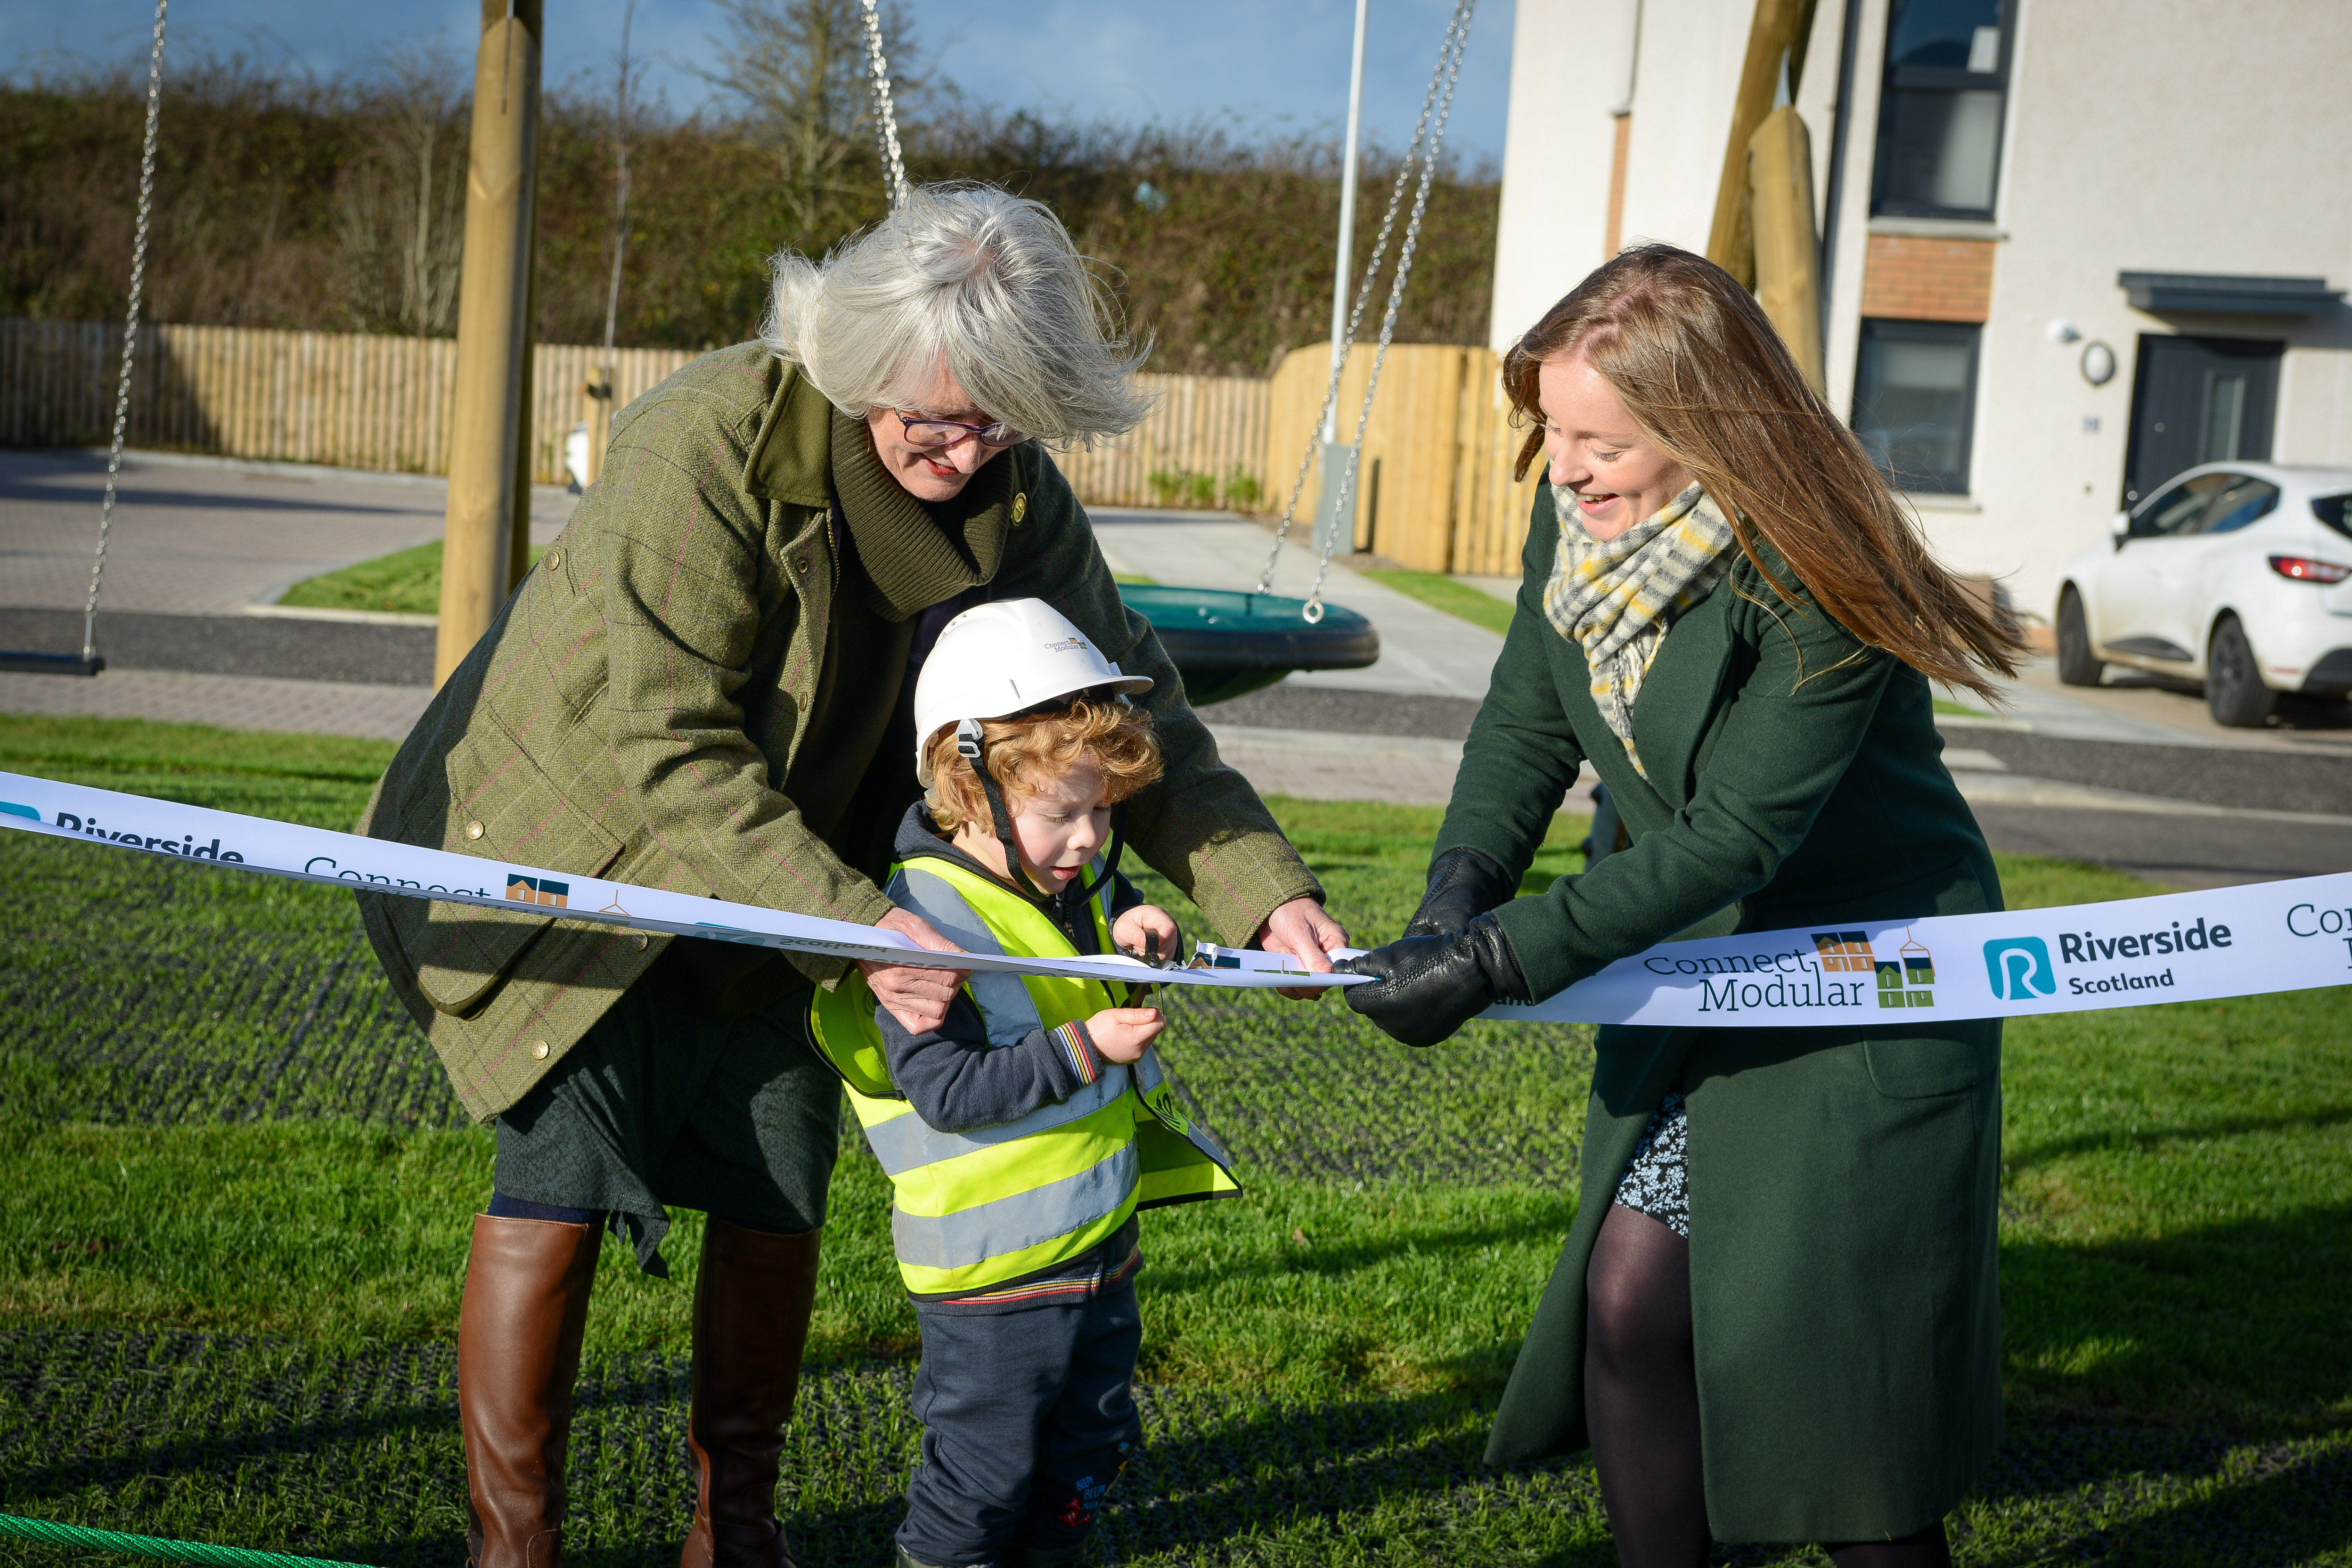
[519, 1332]
[751, 1323]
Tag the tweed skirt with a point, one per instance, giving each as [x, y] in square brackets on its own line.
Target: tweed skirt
[656, 1107]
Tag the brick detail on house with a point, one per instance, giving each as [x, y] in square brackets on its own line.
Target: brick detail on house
[1906, 279]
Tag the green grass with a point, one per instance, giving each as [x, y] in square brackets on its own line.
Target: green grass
[235, 1197]
[1455, 599]
[406, 580]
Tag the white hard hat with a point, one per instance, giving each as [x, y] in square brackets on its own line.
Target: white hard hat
[997, 659]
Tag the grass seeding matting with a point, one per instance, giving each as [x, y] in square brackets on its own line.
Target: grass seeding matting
[234, 1193]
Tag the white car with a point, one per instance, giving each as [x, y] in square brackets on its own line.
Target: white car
[2238, 574]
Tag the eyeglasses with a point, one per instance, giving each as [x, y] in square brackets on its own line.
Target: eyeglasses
[926, 432]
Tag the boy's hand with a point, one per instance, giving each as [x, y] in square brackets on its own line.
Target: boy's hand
[1148, 920]
[1123, 1034]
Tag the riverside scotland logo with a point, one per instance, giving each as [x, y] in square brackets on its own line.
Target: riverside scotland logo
[2019, 968]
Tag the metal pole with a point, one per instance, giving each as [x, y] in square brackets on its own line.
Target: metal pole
[485, 532]
[1347, 216]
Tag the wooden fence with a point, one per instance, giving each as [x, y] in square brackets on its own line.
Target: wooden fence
[356, 401]
[347, 399]
[1435, 493]
[1434, 488]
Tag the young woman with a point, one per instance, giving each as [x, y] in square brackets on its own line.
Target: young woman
[1776, 1318]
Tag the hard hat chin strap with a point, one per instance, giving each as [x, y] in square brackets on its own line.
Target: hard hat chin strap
[973, 748]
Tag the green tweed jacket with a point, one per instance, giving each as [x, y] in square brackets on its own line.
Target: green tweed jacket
[1842, 1181]
[632, 712]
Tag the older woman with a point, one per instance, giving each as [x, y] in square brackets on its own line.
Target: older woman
[1776, 1316]
[706, 685]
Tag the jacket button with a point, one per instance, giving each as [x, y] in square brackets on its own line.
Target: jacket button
[538, 1051]
[555, 559]
[639, 942]
[473, 830]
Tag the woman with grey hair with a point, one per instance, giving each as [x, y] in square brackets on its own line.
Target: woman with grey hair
[707, 684]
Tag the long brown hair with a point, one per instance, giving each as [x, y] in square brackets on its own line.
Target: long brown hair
[1707, 377]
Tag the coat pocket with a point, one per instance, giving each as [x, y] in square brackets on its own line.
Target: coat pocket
[1956, 1060]
[498, 805]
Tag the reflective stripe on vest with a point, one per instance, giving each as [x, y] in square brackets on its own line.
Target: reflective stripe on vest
[1023, 1220]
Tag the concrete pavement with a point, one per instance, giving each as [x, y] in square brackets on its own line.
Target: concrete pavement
[206, 535]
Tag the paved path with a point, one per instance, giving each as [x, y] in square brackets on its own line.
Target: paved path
[206, 535]
[226, 701]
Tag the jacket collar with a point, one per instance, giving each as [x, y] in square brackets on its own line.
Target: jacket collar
[792, 457]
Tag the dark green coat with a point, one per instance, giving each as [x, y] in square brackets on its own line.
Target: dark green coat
[1843, 1281]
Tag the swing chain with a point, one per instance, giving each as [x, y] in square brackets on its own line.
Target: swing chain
[1429, 130]
[886, 116]
[130, 333]
[1457, 36]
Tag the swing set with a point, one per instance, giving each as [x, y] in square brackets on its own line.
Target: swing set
[1224, 643]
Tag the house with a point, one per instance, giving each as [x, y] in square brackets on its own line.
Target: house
[2068, 248]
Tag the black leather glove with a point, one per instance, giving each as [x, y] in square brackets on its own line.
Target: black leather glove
[1429, 986]
[1464, 883]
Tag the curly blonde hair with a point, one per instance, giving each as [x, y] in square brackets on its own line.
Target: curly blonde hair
[1029, 750]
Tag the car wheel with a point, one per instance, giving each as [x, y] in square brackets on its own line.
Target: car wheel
[2234, 692]
[2077, 665]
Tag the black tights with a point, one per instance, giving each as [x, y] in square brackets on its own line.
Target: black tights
[1641, 1405]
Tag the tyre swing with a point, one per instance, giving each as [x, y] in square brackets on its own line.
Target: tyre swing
[89, 661]
[1225, 643]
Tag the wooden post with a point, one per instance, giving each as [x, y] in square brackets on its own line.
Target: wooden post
[1788, 259]
[489, 493]
[1731, 238]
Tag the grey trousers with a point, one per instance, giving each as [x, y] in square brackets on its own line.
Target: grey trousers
[1028, 1417]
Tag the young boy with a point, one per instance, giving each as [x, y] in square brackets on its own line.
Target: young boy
[1023, 1134]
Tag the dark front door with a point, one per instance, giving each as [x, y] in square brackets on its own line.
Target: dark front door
[2198, 400]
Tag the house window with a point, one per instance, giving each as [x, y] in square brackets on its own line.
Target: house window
[1915, 397]
[1939, 109]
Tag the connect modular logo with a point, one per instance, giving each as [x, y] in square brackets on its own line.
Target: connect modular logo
[545, 890]
[2019, 968]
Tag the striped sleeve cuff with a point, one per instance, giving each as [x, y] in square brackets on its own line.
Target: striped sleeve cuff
[1083, 1059]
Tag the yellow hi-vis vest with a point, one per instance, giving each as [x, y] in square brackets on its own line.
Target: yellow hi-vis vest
[978, 1208]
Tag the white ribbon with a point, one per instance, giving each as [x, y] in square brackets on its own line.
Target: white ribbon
[2292, 936]
[380, 865]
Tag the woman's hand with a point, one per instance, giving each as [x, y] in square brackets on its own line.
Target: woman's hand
[1301, 928]
[1426, 987]
[1148, 920]
[1464, 883]
[917, 997]
[1123, 1034]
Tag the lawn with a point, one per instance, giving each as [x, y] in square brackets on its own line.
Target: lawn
[406, 582]
[1453, 596]
[234, 1192]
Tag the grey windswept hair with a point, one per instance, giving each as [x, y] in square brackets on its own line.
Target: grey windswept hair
[988, 283]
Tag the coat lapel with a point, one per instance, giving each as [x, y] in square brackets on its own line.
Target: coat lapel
[1677, 702]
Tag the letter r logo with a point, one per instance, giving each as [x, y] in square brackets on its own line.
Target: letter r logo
[2018, 966]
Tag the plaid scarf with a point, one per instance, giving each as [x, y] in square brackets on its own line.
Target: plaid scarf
[1618, 597]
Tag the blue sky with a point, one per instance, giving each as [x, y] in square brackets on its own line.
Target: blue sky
[1268, 66]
